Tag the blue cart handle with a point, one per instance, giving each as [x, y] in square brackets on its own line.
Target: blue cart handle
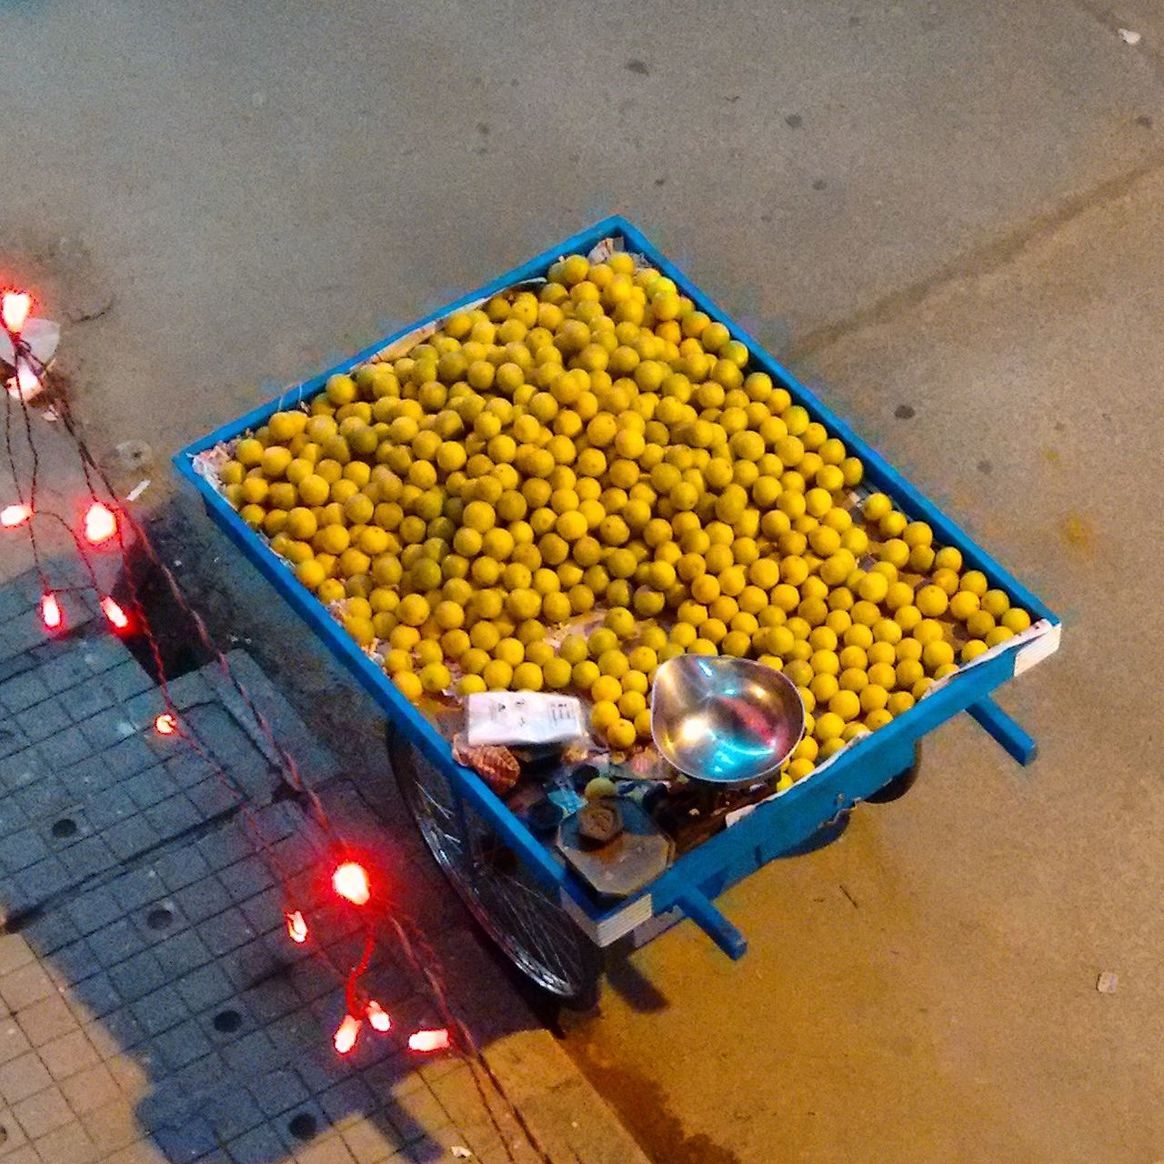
[702, 910]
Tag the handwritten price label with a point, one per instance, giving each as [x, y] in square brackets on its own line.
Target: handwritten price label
[523, 717]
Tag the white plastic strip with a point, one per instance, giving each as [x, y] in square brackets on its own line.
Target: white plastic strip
[1038, 650]
[610, 929]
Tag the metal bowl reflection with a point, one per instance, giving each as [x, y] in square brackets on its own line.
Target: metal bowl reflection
[724, 720]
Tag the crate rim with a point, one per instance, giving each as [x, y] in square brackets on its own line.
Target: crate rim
[695, 865]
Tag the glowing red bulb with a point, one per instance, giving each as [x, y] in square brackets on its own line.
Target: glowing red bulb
[13, 515]
[117, 617]
[350, 880]
[296, 927]
[100, 523]
[378, 1017]
[50, 611]
[166, 724]
[428, 1041]
[347, 1033]
[14, 309]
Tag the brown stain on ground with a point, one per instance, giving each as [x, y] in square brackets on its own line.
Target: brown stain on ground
[1077, 533]
[644, 1107]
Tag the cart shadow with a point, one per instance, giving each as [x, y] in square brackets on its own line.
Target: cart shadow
[144, 960]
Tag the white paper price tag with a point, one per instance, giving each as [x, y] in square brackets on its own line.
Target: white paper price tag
[523, 717]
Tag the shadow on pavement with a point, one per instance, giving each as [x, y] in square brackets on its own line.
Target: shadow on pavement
[149, 986]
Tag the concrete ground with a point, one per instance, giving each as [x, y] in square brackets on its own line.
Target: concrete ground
[949, 207]
[925, 988]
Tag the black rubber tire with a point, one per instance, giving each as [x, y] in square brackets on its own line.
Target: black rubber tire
[901, 783]
[535, 934]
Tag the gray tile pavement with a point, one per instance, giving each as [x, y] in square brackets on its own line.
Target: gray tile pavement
[151, 1007]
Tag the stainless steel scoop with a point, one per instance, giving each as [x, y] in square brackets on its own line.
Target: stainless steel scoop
[724, 720]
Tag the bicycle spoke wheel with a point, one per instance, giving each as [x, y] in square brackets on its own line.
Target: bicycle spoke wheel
[532, 930]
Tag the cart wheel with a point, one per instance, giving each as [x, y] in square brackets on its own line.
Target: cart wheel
[537, 936]
[901, 783]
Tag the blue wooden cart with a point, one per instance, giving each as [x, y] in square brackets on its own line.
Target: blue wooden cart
[547, 921]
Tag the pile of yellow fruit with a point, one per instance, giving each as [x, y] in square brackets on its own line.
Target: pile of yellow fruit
[597, 455]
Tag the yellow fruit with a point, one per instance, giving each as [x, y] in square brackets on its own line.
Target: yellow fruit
[825, 662]
[947, 580]
[799, 768]
[917, 533]
[310, 574]
[996, 603]
[498, 675]
[621, 734]
[828, 726]
[908, 649]
[877, 506]
[998, 635]
[428, 651]
[873, 587]
[929, 630]
[979, 623]
[434, 678]
[845, 704]
[963, 604]
[894, 551]
[408, 682]
[603, 714]
[907, 617]
[557, 673]
[937, 654]
[899, 702]
[1016, 620]
[527, 677]
[975, 582]
[613, 663]
[948, 558]
[313, 490]
[932, 601]
[333, 539]
[413, 610]
[972, 649]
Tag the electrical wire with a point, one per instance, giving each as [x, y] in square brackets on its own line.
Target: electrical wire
[408, 935]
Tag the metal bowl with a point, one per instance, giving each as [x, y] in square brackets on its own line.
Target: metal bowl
[724, 720]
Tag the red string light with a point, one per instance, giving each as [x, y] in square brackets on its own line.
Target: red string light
[347, 1034]
[13, 515]
[350, 881]
[14, 309]
[100, 523]
[50, 611]
[296, 927]
[428, 1041]
[166, 724]
[117, 617]
[378, 1017]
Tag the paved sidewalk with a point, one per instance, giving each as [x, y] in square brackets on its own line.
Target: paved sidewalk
[153, 1008]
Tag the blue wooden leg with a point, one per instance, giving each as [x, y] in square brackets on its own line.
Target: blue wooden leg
[701, 910]
[1004, 729]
